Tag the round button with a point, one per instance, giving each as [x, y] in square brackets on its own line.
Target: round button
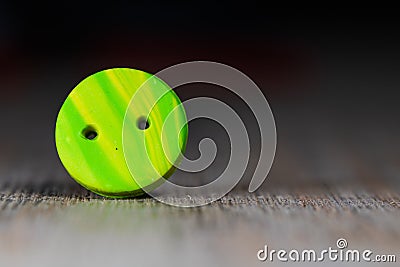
[89, 132]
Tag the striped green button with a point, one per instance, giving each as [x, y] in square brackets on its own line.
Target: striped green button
[90, 126]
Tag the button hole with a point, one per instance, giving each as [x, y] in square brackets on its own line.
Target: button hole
[89, 133]
[143, 123]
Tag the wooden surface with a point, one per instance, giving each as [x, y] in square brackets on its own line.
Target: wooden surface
[48, 224]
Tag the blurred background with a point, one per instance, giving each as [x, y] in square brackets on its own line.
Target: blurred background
[331, 77]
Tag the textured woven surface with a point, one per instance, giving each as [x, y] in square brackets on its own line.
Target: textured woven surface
[49, 224]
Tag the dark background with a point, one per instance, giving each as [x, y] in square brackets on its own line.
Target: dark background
[331, 77]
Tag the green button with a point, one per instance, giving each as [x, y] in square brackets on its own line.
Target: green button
[89, 132]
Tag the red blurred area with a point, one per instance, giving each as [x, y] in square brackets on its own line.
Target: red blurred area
[276, 65]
